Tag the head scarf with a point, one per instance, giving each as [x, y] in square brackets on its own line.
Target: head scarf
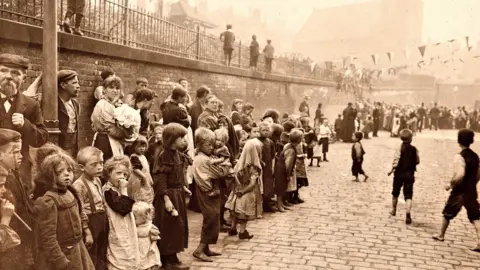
[251, 155]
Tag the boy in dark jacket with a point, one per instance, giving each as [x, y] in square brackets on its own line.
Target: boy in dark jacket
[404, 165]
[463, 186]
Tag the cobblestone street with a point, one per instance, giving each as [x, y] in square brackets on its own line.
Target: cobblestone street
[346, 225]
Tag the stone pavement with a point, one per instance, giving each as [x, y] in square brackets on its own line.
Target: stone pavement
[346, 225]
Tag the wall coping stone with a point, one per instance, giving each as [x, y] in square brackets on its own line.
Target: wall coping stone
[31, 34]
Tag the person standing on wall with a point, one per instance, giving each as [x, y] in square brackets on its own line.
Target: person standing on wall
[68, 111]
[254, 52]
[76, 7]
[228, 38]
[269, 51]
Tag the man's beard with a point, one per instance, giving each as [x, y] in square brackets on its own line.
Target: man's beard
[8, 88]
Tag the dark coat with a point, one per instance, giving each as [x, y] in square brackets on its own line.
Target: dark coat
[169, 179]
[228, 40]
[34, 133]
[195, 112]
[208, 120]
[63, 120]
[172, 113]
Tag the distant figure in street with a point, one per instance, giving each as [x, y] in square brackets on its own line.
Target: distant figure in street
[254, 52]
[434, 115]
[405, 161]
[422, 113]
[304, 107]
[269, 51]
[76, 7]
[463, 186]
[228, 38]
[357, 156]
[376, 119]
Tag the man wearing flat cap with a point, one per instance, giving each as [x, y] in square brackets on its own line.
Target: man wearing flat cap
[19, 112]
[68, 111]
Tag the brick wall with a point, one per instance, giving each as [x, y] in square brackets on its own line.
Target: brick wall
[281, 93]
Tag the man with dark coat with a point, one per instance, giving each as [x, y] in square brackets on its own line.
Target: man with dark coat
[22, 114]
[197, 107]
[171, 110]
[422, 113]
[349, 115]
[19, 112]
[68, 111]
[434, 115]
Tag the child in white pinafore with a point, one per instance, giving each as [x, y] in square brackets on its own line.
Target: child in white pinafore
[123, 252]
[140, 183]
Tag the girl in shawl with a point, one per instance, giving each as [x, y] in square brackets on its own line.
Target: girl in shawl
[109, 137]
[242, 202]
[207, 175]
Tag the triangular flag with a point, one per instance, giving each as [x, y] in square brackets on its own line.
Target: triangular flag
[374, 58]
[422, 49]
[389, 54]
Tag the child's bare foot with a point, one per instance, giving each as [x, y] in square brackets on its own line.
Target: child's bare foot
[355, 180]
[438, 238]
[281, 209]
[366, 178]
[259, 217]
[393, 212]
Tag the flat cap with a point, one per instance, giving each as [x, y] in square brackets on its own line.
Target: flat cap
[8, 136]
[64, 75]
[14, 60]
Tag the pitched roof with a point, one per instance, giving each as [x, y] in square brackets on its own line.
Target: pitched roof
[182, 9]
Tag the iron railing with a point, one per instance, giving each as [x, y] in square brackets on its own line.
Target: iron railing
[117, 22]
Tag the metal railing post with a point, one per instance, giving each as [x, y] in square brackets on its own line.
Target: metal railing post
[125, 23]
[240, 54]
[197, 53]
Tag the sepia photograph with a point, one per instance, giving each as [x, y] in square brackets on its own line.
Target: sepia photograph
[239, 134]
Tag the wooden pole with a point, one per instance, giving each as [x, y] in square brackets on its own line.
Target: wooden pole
[50, 67]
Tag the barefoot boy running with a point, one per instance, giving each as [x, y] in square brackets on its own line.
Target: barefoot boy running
[463, 186]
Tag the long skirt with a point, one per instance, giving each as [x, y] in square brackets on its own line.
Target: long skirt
[210, 207]
[173, 230]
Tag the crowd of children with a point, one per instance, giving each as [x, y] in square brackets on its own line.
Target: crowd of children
[129, 210]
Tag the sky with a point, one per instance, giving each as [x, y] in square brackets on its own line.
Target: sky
[443, 19]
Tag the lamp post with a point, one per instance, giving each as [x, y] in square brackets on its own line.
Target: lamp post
[50, 67]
